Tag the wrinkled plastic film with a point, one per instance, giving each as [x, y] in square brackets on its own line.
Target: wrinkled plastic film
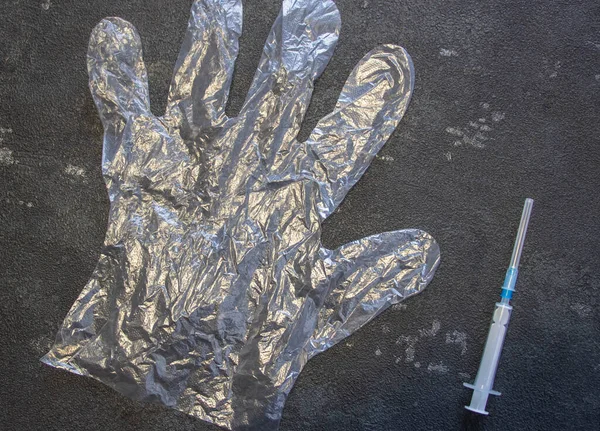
[213, 289]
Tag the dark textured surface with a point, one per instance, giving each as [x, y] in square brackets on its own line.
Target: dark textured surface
[530, 70]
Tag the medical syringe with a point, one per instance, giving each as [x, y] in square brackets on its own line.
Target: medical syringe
[482, 388]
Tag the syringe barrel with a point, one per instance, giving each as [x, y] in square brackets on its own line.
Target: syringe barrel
[493, 347]
[484, 381]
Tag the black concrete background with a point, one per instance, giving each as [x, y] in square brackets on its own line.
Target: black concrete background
[529, 70]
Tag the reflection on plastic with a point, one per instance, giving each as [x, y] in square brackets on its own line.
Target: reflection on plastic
[213, 290]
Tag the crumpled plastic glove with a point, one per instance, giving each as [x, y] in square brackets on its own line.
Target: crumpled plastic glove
[213, 290]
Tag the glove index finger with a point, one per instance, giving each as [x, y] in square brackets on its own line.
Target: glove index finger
[372, 103]
[118, 78]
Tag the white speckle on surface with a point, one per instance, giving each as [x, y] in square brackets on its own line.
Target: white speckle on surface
[476, 140]
[75, 171]
[397, 361]
[417, 365]
[378, 352]
[448, 156]
[386, 158]
[349, 343]
[597, 77]
[385, 328]
[437, 368]
[435, 328]
[482, 120]
[3, 132]
[399, 306]
[20, 202]
[594, 44]
[41, 345]
[469, 136]
[365, 4]
[6, 158]
[459, 338]
[410, 343]
[444, 52]
[550, 71]
[582, 310]
[497, 116]
[454, 131]
[485, 105]
[46, 4]
[464, 375]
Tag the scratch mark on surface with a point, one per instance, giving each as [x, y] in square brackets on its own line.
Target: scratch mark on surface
[464, 375]
[459, 338]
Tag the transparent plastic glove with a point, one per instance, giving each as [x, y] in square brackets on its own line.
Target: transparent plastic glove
[213, 290]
